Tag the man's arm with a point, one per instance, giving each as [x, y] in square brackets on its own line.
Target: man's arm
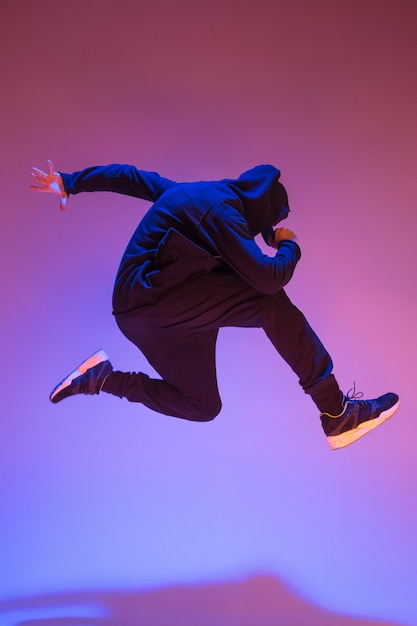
[124, 179]
[227, 231]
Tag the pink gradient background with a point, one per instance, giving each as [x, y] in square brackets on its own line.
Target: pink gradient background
[100, 494]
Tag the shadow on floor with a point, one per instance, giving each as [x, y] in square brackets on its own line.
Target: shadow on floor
[261, 601]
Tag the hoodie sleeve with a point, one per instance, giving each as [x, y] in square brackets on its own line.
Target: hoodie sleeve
[124, 179]
[228, 232]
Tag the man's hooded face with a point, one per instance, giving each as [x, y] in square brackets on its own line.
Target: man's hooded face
[264, 198]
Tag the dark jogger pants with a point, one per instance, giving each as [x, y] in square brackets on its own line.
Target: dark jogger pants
[178, 337]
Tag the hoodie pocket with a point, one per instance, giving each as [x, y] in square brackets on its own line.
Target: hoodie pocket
[178, 259]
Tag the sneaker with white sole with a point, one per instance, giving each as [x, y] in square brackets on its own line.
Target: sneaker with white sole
[88, 378]
[358, 418]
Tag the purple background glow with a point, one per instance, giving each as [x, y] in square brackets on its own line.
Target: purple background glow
[98, 493]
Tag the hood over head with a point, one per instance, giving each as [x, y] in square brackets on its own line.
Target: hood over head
[264, 198]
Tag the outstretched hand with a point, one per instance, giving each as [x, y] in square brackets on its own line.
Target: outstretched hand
[50, 182]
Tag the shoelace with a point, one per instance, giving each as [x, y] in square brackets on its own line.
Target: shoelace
[352, 394]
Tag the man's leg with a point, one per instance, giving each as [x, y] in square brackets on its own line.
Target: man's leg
[178, 337]
[344, 419]
[185, 361]
[300, 347]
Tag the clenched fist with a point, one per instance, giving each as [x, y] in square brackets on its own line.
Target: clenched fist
[281, 234]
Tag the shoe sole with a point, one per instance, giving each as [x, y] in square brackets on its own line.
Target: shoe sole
[95, 359]
[350, 436]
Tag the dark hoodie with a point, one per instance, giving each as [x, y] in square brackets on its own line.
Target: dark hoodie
[195, 228]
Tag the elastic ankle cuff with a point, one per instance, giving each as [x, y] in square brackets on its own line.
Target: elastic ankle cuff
[332, 415]
[327, 396]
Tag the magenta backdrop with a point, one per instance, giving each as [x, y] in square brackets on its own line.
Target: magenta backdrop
[98, 493]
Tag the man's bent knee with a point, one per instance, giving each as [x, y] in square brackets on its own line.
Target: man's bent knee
[205, 413]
